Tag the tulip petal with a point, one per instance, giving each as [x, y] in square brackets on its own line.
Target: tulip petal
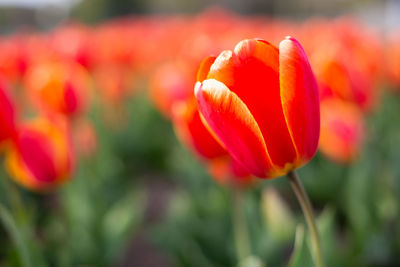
[204, 68]
[300, 101]
[37, 155]
[233, 123]
[223, 69]
[7, 114]
[192, 131]
[252, 73]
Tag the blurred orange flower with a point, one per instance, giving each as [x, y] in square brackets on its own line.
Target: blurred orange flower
[342, 130]
[61, 87]
[170, 82]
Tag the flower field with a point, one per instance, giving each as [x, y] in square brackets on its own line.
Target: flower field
[164, 140]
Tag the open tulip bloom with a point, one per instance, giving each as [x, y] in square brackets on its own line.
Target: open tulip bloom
[262, 103]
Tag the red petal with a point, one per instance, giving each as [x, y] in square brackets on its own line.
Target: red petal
[233, 123]
[7, 113]
[300, 101]
[36, 153]
[192, 131]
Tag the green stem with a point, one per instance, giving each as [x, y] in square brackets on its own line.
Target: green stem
[11, 227]
[309, 216]
[21, 228]
[17, 205]
[240, 225]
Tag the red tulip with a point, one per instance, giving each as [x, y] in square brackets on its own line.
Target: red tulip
[41, 156]
[340, 80]
[169, 83]
[342, 130]
[7, 113]
[196, 135]
[73, 42]
[262, 102]
[13, 61]
[61, 87]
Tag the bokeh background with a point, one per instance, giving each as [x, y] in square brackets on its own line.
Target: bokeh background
[137, 196]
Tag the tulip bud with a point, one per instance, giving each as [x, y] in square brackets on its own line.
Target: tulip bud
[262, 102]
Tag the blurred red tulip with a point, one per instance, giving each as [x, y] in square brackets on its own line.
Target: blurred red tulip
[41, 157]
[13, 60]
[7, 113]
[339, 79]
[114, 44]
[262, 102]
[342, 130]
[346, 59]
[73, 42]
[61, 87]
[194, 133]
[169, 83]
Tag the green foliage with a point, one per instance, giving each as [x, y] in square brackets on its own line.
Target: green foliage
[112, 200]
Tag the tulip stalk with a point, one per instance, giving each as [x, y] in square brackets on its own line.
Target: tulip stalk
[15, 222]
[240, 229]
[309, 216]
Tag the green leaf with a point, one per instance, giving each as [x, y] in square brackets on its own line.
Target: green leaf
[19, 242]
[301, 254]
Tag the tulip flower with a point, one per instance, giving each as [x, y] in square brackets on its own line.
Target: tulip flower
[193, 132]
[12, 59]
[61, 87]
[262, 103]
[342, 130]
[40, 157]
[73, 42]
[7, 113]
[340, 80]
[169, 83]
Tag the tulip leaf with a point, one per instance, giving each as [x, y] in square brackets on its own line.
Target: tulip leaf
[300, 255]
[15, 234]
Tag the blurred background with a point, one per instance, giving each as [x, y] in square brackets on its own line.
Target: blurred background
[95, 175]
